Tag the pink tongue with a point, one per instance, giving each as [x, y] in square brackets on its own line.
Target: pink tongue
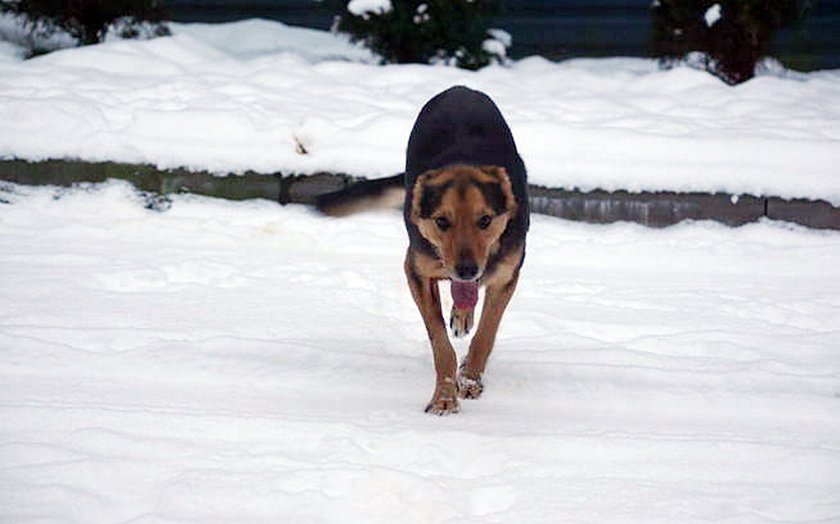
[465, 294]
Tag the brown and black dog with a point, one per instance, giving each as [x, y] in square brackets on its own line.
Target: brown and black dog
[466, 213]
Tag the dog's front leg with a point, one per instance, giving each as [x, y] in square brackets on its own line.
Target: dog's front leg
[426, 295]
[496, 298]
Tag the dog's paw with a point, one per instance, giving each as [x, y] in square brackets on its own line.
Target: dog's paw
[469, 387]
[461, 322]
[445, 399]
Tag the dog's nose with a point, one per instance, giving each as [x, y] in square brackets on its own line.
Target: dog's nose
[466, 269]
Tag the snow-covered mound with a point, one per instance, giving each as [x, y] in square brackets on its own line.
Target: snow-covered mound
[10, 52]
[242, 362]
[249, 39]
[255, 95]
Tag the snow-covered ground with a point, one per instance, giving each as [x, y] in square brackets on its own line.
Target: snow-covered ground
[220, 362]
[244, 362]
[251, 95]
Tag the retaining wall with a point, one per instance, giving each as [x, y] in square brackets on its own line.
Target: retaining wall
[656, 209]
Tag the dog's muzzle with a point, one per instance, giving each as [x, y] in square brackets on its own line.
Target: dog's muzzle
[466, 269]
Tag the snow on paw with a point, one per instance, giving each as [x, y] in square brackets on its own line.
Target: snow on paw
[443, 406]
[445, 399]
[468, 387]
[461, 321]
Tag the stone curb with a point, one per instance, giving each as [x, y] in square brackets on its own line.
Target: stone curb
[655, 209]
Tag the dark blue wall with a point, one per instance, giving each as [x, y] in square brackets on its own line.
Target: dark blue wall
[552, 28]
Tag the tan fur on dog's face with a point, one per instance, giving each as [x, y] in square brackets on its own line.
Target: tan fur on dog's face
[463, 211]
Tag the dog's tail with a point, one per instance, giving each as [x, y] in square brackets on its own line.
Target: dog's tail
[367, 194]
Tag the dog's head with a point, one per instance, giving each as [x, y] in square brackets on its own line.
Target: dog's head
[462, 211]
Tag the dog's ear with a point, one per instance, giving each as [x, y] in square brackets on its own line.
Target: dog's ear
[500, 175]
[418, 194]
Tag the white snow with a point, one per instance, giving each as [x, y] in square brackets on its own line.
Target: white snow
[494, 47]
[10, 52]
[251, 39]
[498, 43]
[502, 36]
[222, 361]
[712, 15]
[366, 8]
[244, 362]
[18, 31]
[422, 16]
[243, 96]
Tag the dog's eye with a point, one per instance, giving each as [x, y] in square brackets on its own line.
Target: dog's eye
[442, 223]
[485, 221]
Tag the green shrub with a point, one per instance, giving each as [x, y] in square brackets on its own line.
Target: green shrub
[731, 35]
[426, 31]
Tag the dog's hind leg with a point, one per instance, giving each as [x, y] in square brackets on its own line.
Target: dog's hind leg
[427, 296]
[496, 298]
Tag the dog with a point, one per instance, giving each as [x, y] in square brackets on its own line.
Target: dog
[466, 212]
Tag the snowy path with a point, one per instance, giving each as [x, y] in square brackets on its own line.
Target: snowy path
[244, 362]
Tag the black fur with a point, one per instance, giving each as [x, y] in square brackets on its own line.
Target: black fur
[494, 196]
[359, 190]
[464, 126]
[431, 199]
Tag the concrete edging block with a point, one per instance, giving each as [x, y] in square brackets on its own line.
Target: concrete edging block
[654, 209]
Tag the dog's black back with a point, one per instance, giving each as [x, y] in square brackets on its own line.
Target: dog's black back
[464, 126]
